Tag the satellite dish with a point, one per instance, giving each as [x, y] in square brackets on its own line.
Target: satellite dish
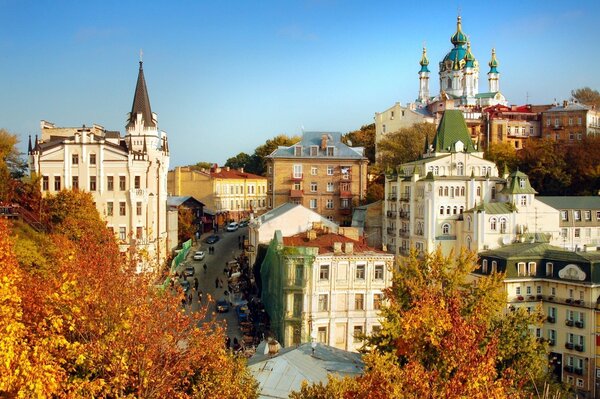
[505, 240]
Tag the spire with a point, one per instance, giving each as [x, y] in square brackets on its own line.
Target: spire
[456, 63]
[424, 61]
[469, 57]
[29, 145]
[493, 62]
[141, 103]
[459, 38]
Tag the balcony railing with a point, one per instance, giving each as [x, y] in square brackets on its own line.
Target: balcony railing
[296, 193]
[569, 345]
[579, 348]
[551, 319]
[569, 323]
[345, 194]
[297, 176]
[404, 233]
[405, 197]
[404, 215]
[579, 324]
[392, 197]
[392, 214]
[345, 211]
[391, 231]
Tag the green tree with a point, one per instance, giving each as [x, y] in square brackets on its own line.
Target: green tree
[404, 145]
[257, 165]
[364, 137]
[12, 167]
[241, 160]
[544, 162]
[587, 96]
[443, 337]
[584, 168]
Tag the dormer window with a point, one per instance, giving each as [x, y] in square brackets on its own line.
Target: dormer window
[330, 151]
[298, 150]
[521, 183]
[314, 150]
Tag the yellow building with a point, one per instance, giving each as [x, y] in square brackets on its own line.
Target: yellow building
[232, 194]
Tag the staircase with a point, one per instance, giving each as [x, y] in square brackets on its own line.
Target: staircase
[14, 211]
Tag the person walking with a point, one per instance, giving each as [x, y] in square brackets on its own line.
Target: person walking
[205, 267]
[217, 282]
[199, 296]
[196, 283]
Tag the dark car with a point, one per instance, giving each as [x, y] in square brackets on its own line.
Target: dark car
[212, 239]
[244, 223]
[185, 285]
[189, 271]
[222, 305]
[242, 313]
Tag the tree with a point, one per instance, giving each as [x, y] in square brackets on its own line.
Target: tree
[404, 145]
[364, 137]
[503, 154]
[12, 166]
[241, 160]
[583, 166]
[257, 165]
[587, 96]
[185, 224]
[443, 337]
[544, 162]
[375, 192]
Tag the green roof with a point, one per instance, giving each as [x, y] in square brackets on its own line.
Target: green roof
[452, 129]
[514, 185]
[587, 202]
[493, 208]
[528, 250]
[489, 94]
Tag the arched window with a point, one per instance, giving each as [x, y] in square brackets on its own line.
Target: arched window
[462, 191]
[452, 192]
[469, 243]
[468, 223]
[479, 191]
[494, 192]
[493, 222]
[446, 229]
[447, 210]
[502, 225]
[460, 169]
[441, 191]
[484, 265]
[436, 171]
[449, 84]
[454, 210]
[446, 191]
[494, 266]
[462, 208]
[441, 210]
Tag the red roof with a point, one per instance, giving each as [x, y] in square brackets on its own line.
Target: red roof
[325, 242]
[234, 174]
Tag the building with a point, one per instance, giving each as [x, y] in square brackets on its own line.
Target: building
[196, 209]
[368, 220]
[126, 175]
[323, 286]
[566, 285]
[512, 124]
[319, 172]
[579, 221]
[458, 89]
[232, 194]
[279, 372]
[570, 122]
[288, 218]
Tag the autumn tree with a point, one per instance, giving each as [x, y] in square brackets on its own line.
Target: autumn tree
[442, 337]
[583, 166]
[185, 224]
[544, 162]
[503, 154]
[12, 167]
[404, 145]
[587, 96]
[363, 137]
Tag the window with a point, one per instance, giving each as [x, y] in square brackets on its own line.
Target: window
[45, 183]
[322, 335]
[553, 291]
[110, 183]
[92, 183]
[139, 232]
[137, 182]
[564, 215]
[460, 169]
[298, 150]
[313, 204]
[314, 150]
[531, 269]
[441, 210]
[122, 208]
[518, 290]
[549, 269]
[577, 216]
[92, 159]
[297, 171]
[502, 225]
[523, 200]
[462, 191]
[138, 208]
[484, 266]
[109, 208]
[75, 159]
[122, 183]
[579, 121]
[357, 333]
[329, 204]
[521, 268]
[359, 301]
[330, 151]
[494, 266]
[313, 186]
[493, 224]
[377, 299]
[378, 272]
[528, 290]
[323, 302]
[577, 233]
[122, 233]
[329, 170]
[75, 182]
[313, 170]
[56, 183]
[478, 191]
[324, 272]
[329, 187]
[563, 232]
[445, 229]
[538, 289]
[297, 305]
[587, 215]
[360, 272]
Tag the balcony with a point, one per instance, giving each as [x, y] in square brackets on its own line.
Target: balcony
[345, 194]
[138, 193]
[579, 348]
[391, 248]
[578, 371]
[569, 369]
[346, 176]
[392, 214]
[404, 233]
[404, 215]
[345, 211]
[392, 197]
[551, 342]
[297, 176]
[570, 323]
[569, 345]
[579, 324]
[391, 231]
[296, 193]
[551, 319]
[405, 197]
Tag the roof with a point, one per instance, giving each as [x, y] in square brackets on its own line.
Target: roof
[518, 183]
[587, 202]
[311, 139]
[141, 102]
[571, 106]
[452, 129]
[489, 94]
[541, 250]
[279, 375]
[234, 174]
[325, 242]
[287, 207]
[494, 208]
[175, 200]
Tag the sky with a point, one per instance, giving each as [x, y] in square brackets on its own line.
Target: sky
[225, 76]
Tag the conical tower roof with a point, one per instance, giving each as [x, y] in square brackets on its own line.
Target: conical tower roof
[451, 130]
[493, 62]
[141, 103]
[424, 61]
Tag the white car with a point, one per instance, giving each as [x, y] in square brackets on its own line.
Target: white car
[199, 255]
[233, 226]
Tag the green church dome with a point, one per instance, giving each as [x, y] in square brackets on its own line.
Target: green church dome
[424, 61]
[459, 38]
[493, 62]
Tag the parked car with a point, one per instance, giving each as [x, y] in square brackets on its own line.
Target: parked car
[222, 305]
[244, 223]
[189, 271]
[212, 239]
[233, 226]
[242, 313]
[199, 255]
[185, 285]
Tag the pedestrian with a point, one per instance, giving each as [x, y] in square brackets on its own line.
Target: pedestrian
[205, 267]
[196, 283]
[190, 297]
[217, 282]
[220, 283]
[200, 297]
[225, 271]
[228, 342]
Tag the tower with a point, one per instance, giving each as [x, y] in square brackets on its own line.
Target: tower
[493, 74]
[142, 123]
[424, 79]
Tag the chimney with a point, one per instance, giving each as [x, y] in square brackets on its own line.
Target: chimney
[348, 247]
[241, 170]
[227, 168]
[565, 103]
[317, 225]
[311, 234]
[337, 247]
[324, 142]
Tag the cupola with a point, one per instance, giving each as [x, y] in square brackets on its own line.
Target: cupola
[424, 61]
[459, 38]
[469, 57]
[493, 62]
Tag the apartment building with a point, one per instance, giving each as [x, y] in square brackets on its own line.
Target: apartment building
[231, 193]
[324, 286]
[570, 122]
[512, 124]
[126, 175]
[319, 172]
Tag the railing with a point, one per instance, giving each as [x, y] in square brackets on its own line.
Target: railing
[345, 211]
[391, 231]
[569, 345]
[392, 214]
[405, 197]
[404, 233]
[16, 211]
[138, 192]
[579, 348]
[392, 197]
[404, 215]
[551, 319]
[569, 323]
[579, 324]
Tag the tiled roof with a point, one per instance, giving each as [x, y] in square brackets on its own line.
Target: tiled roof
[234, 174]
[141, 102]
[325, 242]
[588, 202]
[310, 139]
[514, 184]
[493, 208]
[570, 107]
[452, 128]
[541, 250]
[175, 200]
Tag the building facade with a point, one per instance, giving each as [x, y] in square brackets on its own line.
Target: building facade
[319, 172]
[232, 194]
[514, 125]
[126, 175]
[324, 287]
[570, 122]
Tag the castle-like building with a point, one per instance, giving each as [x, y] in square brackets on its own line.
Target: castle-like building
[126, 175]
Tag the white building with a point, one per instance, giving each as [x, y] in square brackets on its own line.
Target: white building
[126, 175]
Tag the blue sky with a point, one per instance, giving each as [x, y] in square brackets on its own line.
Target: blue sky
[224, 76]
